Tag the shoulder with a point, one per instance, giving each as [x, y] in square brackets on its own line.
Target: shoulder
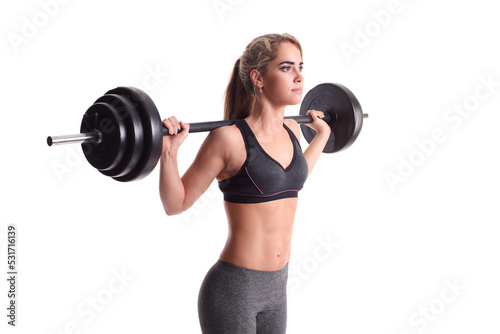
[224, 140]
[225, 134]
[294, 126]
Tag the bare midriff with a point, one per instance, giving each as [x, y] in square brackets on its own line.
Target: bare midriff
[259, 235]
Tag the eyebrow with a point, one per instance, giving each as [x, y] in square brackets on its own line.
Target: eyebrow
[290, 63]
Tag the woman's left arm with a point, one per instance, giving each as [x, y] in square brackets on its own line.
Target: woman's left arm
[318, 143]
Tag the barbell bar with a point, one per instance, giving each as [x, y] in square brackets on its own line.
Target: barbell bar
[96, 135]
[121, 133]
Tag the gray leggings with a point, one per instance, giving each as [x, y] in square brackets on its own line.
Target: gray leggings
[236, 300]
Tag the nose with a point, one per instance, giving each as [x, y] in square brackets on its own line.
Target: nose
[299, 77]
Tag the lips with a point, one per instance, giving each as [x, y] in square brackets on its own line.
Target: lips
[297, 90]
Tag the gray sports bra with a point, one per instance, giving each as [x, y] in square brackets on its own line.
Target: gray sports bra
[261, 178]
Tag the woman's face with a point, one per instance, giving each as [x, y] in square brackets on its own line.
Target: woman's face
[283, 81]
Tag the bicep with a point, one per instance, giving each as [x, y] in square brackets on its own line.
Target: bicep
[209, 162]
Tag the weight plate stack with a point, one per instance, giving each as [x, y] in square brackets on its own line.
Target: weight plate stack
[107, 154]
[134, 134]
[151, 129]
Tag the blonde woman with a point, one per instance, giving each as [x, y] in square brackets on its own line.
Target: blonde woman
[260, 167]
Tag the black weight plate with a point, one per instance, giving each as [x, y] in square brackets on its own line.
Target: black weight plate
[108, 153]
[152, 129]
[134, 134]
[346, 115]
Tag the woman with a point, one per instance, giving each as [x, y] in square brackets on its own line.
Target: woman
[260, 168]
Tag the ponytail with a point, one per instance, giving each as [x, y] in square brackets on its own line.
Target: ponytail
[238, 101]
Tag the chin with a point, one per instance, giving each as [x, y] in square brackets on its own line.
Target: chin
[292, 100]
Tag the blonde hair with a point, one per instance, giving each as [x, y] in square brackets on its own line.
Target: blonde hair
[241, 92]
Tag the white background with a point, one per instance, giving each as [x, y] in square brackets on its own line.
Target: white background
[393, 251]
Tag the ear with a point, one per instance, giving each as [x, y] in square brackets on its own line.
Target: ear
[256, 78]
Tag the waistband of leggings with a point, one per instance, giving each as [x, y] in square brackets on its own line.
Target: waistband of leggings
[246, 271]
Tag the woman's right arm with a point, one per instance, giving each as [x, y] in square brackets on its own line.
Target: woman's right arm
[178, 194]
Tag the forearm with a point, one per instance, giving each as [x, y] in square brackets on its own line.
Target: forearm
[315, 148]
[172, 192]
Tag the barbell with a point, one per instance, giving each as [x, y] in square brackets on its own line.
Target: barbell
[122, 133]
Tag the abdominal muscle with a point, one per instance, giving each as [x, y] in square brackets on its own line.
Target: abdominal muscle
[259, 235]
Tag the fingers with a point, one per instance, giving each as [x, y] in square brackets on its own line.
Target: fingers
[316, 114]
[184, 127]
[177, 137]
[172, 124]
[317, 123]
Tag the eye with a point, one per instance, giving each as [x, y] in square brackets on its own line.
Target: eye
[285, 68]
[301, 68]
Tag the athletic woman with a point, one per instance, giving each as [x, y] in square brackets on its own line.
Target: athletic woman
[260, 167]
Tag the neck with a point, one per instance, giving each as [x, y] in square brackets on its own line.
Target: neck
[267, 117]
